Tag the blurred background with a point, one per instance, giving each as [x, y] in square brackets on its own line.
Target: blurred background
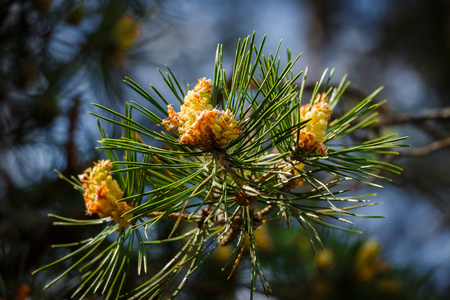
[58, 57]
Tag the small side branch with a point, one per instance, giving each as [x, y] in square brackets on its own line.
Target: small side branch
[173, 216]
[428, 149]
[427, 114]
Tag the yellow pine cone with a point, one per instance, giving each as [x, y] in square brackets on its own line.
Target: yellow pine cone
[262, 238]
[299, 181]
[324, 260]
[312, 134]
[102, 192]
[126, 32]
[368, 261]
[198, 122]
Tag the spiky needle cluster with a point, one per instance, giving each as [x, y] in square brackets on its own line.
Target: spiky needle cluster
[240, 152]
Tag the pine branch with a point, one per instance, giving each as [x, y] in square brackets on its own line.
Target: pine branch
[223, 170]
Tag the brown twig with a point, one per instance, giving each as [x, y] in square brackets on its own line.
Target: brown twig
[427, 150]
[233, 232]
[71, 150]
[173, 216]
[264, 212]
[426, 114]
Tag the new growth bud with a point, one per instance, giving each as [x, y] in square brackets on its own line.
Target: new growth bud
[312, 134]
[102, 193]
[199, 124]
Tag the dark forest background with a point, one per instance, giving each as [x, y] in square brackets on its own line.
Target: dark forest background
[58, 57]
